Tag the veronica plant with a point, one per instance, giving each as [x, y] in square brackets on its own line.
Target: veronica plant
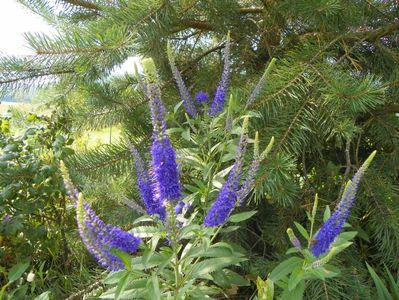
[291, 275]
[174, 250]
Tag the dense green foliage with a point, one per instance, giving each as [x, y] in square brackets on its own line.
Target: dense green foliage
[37, 230]
[330, 100]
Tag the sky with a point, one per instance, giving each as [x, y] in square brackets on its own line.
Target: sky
[15, 19]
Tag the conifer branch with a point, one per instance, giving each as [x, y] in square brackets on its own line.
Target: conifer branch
[197, 25]
[84, 4]
[32, 76]
[393, 108]
[291, 126]
[347, 169]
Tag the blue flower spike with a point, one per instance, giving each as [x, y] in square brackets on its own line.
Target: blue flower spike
[327, 234]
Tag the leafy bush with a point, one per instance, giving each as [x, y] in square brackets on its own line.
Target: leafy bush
[33, 208]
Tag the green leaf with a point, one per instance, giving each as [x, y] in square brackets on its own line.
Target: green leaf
[144, 231]
[155, 260]
[340, 246]
[220, 279]
[292, 250]
[347, 236]
[176, 107]
[362, 234]
[216, 250]
[125, 257]
[205, 243]
[134, 290]
[382, 291]
[114, 277]
[121, 285]
[235, 278]
[285, 268]
[224, 172]
[327, 271]
[17, 271]
[295, 278]
[210, 265]
[20, 292]
[189, 231]
[236, 218]
[186, 134]
[302, 230]
[147, 254]
[327, 213]
[295, 294]
[394, 284]
[153, 288]
[184, 289]
[43, 296]
[143, 219]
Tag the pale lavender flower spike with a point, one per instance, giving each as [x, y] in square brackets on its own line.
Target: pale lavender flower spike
[184, 93]
[221, 90]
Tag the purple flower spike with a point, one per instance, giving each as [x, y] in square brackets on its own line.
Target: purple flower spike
[221, 90]
[165, 171]
[70, 189]
[166, 185]
[224, 204]
[99, 238]
[228, 196]
[158, 118]
[249, 182]
[184, 93]
[202, 97]
[144, 182]
[333, 226]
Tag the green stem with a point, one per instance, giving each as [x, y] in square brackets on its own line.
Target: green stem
[311, 231]
[2, 291]
[175, 247]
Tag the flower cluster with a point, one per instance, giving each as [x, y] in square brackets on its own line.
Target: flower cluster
[201, 97]
[333, 226]
[261, 83]
[228, 196]
[98, 237]
[221, 90]
[184, 93]
[166, 185]
[232, 194]
[144, 184]
[161, 184]
[165, 171]
[249, 182]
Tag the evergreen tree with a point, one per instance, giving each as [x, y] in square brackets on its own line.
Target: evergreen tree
[330, 100]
